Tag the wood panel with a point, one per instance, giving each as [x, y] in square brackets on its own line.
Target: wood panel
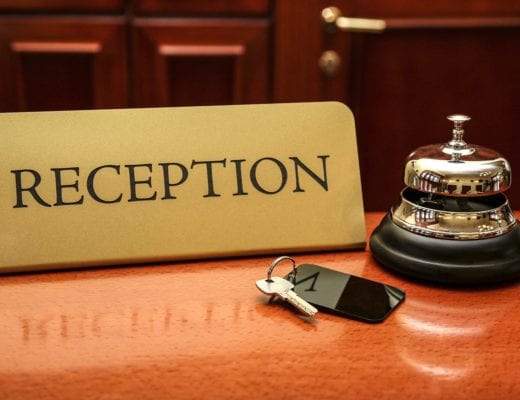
[62, 63]
[440, 8]
[202, 330]
[200, 61]
[227, 7]
[62, 5]
[298, 44]
[433, 60]
[408, 84]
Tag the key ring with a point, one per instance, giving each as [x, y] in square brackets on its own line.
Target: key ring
[291, 276]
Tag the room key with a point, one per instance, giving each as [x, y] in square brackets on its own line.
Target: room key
[282, 288]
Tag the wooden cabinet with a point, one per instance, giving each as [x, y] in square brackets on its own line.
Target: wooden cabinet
[95, 59]
[62, 63]
[62, 5]
[183, 62]
[203, 7]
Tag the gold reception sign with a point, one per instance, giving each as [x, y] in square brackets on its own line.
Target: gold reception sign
[85, 188]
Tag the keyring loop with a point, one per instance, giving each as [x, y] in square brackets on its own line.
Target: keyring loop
[292, 275]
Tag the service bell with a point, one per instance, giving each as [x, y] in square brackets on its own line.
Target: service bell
[453, 223]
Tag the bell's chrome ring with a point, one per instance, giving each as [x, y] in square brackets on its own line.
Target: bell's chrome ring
[486, 217]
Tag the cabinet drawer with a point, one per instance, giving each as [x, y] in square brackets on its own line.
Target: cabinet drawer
[184, 62]
[201, 7]
[62, 63]
[62, 5]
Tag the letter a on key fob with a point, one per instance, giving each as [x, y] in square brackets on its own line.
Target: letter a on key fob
[282, 288]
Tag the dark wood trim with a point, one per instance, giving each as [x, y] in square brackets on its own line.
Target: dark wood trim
[451, 23]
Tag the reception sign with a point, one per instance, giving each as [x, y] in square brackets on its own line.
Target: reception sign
[86, 188]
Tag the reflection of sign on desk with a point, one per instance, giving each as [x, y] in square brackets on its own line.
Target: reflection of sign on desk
[124, 186]
[120, 320]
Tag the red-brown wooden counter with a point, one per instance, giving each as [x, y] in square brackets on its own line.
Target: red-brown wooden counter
[202, 330]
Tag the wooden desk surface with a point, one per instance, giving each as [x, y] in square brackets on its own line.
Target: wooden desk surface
[202, 330]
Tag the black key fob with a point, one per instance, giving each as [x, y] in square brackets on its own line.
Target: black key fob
[346, 295]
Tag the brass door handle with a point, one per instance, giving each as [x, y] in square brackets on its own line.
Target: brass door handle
[333, 20]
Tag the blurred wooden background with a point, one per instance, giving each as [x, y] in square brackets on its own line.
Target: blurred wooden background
[434, 59]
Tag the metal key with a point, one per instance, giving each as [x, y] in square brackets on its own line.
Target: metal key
[279, 287]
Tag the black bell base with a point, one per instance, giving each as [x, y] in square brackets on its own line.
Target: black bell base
[460, 262]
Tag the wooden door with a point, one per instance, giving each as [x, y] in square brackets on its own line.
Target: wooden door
[431, 59]
[62, 63]
[200, 61]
